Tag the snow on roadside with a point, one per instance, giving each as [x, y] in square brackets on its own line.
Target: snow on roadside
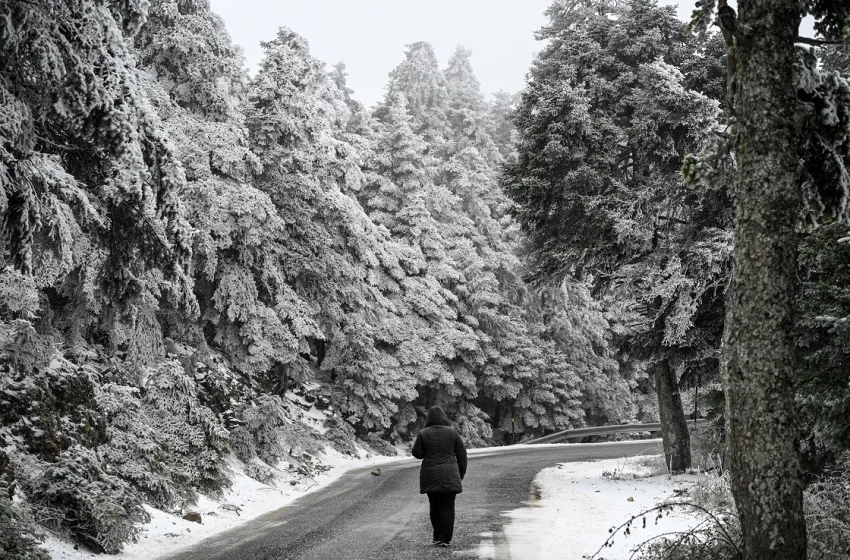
[166, 533]
[578, 505]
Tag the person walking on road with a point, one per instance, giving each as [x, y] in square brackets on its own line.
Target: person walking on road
[443, 467]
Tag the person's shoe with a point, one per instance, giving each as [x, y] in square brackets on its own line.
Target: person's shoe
[444, 544]
[437, 543]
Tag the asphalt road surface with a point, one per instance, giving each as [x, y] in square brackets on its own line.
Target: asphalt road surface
[361, 516]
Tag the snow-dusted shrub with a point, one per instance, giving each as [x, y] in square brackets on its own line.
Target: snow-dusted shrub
[379, 445]
[341, 435]
[46, 408]
[274, 435]
[75, 495]
[28, 351]
[242, 443]
[18, 540]
[705, 543]
[714, 493]
[18, 295]
[827, 507]
[162, 439]
[707, 450]
[472, 424]
[718, 538]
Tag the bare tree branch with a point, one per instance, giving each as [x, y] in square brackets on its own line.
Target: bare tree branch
[816, 42]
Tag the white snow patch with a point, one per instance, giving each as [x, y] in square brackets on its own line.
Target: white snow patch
[309, 414]
[578, 506]
[166, 533]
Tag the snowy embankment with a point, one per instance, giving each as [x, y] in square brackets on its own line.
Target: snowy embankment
[576, 504]
[245, 500]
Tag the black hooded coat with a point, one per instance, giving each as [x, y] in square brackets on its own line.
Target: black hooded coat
[443, 454]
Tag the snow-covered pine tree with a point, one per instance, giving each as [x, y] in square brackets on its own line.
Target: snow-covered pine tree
[419, 79]
[95, 245]
[597, 181]
[162, 439]
[500, 122]
[195, 78]
[576, 325]
[106, 235]
[334, 255]
[494, 294]
[294, 112]
[402, 196]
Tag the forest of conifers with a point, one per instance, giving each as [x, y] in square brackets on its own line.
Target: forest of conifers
[183, 244]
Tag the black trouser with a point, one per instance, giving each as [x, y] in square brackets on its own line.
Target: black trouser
[442, 515]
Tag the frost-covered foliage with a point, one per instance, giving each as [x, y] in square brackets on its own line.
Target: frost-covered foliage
[51, 424]
[162, 439]
[16, 538]
[821, 83]
[826, 146]
[823, 383]
[184, 246]
[270, 433]
[827, 506]
[68, 212]
[604, 125]
[74, 495]
[48, 403]
[18, 535]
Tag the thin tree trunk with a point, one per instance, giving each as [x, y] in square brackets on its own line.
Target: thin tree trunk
[674, 424]
[761, 439]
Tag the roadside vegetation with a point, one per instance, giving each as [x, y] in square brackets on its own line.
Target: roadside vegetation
[198, 266]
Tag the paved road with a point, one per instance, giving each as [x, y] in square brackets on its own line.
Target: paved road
[362, 517]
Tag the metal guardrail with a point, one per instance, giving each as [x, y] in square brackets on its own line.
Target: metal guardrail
[603, 430]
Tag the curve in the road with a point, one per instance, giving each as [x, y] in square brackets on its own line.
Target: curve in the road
[362, 517]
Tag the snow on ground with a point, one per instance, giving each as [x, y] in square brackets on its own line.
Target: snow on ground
[570, 520]
[577, 506]
[166, 533]
[310, 415]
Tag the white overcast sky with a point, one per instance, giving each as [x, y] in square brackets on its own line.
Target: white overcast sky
[370, 35]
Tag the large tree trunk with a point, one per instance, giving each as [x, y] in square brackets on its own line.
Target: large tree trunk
[674, 425]
[762, 451]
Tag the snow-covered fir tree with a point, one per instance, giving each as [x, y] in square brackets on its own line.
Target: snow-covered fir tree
[604, 127]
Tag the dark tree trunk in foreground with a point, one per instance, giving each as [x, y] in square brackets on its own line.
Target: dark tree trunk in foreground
[674, 425]
[762, 451]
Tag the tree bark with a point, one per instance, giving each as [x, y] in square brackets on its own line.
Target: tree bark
[762, 453]
[674, 424]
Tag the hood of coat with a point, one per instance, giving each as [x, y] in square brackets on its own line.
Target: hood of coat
[437, 417]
